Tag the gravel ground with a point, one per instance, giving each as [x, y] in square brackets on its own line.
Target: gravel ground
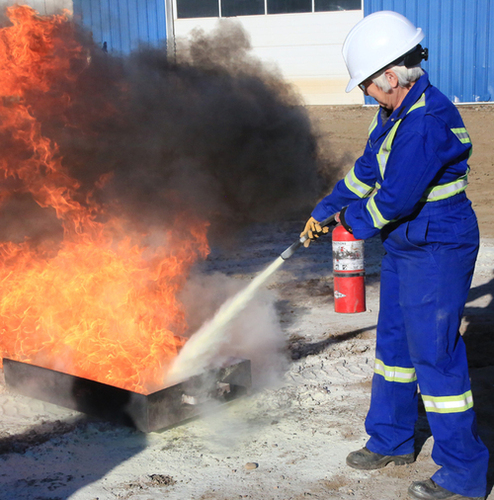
[287, 440]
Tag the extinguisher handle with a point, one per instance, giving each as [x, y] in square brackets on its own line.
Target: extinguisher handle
[330, 221]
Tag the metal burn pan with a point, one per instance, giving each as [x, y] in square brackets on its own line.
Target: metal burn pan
[146, 412]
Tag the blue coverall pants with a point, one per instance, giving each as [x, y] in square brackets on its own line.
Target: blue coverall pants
[425, 278]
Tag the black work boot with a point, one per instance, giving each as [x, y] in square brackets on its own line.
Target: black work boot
[365, 459]
[429, 490]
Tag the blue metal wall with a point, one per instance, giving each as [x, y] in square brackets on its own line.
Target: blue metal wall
[123, 24]
[460, 38]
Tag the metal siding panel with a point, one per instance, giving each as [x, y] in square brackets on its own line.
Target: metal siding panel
[84, 10]
[151, 17]
[123, 16]
[77, 11]
[457, 41]
[482, 53]
[410, 9]
[470, 53]
[114, 17]
[133, 24]
[156, 22]
[161, 22]
[490, 55]
[432, 40]
[106, 35]
[142, 21]
[399, 6]
[423, 14]
[96, 26]
[390, 5]
[460, 38]
[124, 24]
[445, 51]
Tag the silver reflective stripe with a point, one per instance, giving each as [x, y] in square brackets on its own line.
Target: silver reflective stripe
[373, 124]
[444, 191]
[462, 135]
[356, 186]
[385, 149]
[419, 104]
[377, 218]
[395, 373]
[448, 404]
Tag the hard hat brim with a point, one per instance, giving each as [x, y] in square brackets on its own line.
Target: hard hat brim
[352, 84]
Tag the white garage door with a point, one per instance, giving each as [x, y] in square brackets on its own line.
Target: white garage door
[303, 38]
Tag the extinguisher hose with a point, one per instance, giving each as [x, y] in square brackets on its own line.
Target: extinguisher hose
[330, 221]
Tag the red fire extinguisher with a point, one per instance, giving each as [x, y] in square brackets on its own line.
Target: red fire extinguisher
[348, 272]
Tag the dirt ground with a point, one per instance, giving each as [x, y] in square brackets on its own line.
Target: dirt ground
[296, 430]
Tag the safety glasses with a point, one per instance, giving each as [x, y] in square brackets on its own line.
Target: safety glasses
[363, 86]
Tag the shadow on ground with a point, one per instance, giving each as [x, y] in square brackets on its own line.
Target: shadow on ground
[53, 461]
[298, 348]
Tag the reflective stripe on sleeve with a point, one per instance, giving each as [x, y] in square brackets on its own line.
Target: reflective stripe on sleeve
[395, 373]
[448, 404]
[356, 186]
[462, 135]
[377, 218]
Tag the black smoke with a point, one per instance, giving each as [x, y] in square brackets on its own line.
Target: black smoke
[206, 128]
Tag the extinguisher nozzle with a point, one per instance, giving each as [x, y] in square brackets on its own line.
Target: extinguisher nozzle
[293, 248]
[330, 221]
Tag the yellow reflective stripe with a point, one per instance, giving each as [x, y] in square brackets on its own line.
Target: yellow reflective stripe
[377, 218]
[395, 373]
[448, 404]
[419, 104]
[447, 190]
[356, 186]
[385, 149]
[373, 124]
[462, 135]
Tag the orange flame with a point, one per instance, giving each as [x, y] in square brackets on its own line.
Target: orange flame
[102, 304]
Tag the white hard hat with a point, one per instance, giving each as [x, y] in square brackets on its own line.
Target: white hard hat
[376, 41]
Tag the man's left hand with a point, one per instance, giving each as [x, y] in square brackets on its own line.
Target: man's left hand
[313, 230]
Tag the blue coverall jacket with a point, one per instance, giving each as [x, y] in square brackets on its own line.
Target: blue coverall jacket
[409, 186]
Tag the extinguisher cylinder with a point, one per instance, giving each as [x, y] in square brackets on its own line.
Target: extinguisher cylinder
[348, 272]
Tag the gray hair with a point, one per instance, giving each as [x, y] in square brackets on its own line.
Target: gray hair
[405, 76]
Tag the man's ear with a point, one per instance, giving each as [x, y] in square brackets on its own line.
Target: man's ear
[392, 78]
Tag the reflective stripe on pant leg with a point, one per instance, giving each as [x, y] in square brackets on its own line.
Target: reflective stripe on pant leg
[392, 415]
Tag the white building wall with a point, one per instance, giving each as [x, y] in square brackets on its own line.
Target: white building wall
[306, 48]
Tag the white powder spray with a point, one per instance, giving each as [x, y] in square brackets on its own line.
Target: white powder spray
[200, 352]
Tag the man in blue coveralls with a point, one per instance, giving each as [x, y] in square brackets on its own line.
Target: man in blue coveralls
[409, 186]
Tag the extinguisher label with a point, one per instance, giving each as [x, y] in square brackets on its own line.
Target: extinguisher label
[348, 255]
